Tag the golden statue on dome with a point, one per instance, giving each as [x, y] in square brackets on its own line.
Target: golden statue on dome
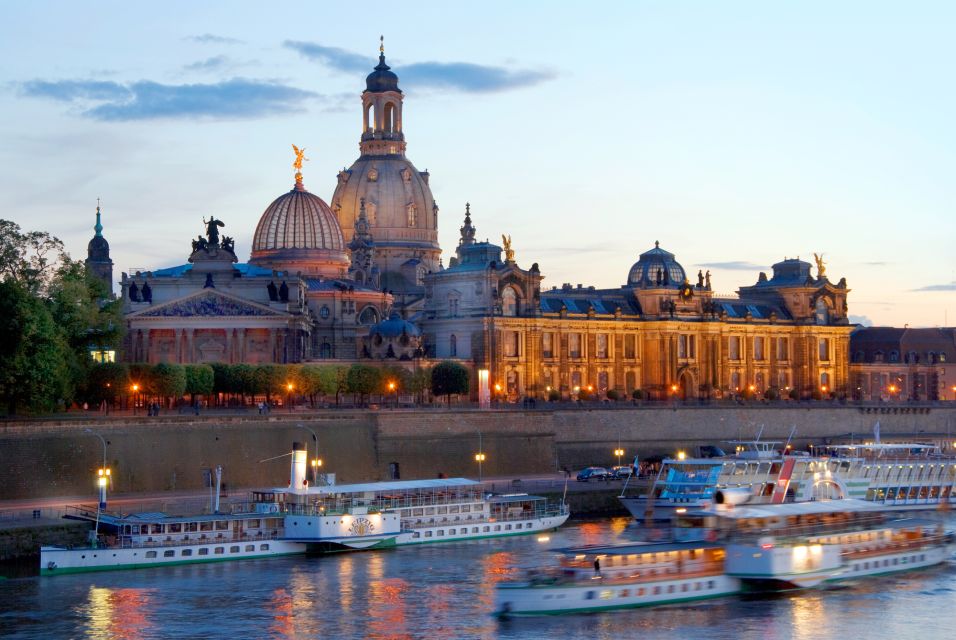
[821, 265]
[509, 252]
[297, 165]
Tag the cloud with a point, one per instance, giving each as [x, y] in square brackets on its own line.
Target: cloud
[338, 59]
[461, 76]
[735, 265]
[147, 100]
[208, 38]
[209, 64]
[938, 287]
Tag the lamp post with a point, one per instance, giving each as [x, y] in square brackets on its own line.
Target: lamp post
[135, 389]
[619, 452]
[102, 479]
[480, 456]
[392, 391]
[289, 388]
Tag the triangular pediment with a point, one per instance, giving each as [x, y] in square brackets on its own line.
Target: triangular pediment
[209, 304]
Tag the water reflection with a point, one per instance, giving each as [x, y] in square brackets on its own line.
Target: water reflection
[118, 613]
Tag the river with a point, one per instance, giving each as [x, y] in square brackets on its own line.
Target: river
[443, 591]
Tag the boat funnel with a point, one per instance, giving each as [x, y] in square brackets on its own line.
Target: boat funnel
[297, 478]
[732, 496]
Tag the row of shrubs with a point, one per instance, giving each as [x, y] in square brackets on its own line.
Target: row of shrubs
[112, 381]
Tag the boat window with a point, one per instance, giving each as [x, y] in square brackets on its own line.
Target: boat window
[192, 526]
[254, 524]
[418, 512]
[156, 528]
[657, 591]
[205, 526]
[625, 593]
[169, 553]
[222, 525]
[150, 554]
[442, 510]
[220, 550]
[406, 513]
[250, 547]
[428, 534]
[465, 508]
[234, 549]
[186, 552]
[485, 529]
[453, 509]
[416, 535]
[263, 547]
[204, 551]
[452, 532]
[497, 527]
[474, 529]
[175, 527]
[429, 511]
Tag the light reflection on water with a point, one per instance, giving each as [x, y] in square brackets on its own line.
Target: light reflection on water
[443, 591]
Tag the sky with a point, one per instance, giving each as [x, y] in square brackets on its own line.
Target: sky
[736, 134]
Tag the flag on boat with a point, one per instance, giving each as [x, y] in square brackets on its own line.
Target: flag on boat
[876, 432]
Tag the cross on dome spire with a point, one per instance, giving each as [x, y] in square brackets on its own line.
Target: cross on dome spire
[98, 227]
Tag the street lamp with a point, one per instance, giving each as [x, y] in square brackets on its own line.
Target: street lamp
[681, 455]
[102, 479]
[479, 458]
[619, 453]
[316, 465]
[391, 390]
[289, 388]
[135, 389]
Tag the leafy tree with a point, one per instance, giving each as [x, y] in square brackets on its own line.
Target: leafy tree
[399, 376]
[141, 376]
[269, 379]
[28, 259]
[420, 382]
[32, 352]
[363, 380]
[613, 395]
[169, 380]
[449, 378]
[554, 395]
[200, 380]
[106, 382]
[637, 394]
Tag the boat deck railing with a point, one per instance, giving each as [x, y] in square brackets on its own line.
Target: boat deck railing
[129, 542]
[585, 574]
[798, 532]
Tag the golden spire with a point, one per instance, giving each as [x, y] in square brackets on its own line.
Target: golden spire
[297, 165]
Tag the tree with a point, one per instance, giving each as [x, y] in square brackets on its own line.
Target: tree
[363, 380]
[28, 259]
[269, 379]
[107, 382]
[32, 352]
[449, 378]
[420, 382]
[169, 380]
[200, 379]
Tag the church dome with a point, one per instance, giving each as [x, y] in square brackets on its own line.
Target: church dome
[394, 327]
[98, 248]
[382, 78]
[298, 232]
[651, 263]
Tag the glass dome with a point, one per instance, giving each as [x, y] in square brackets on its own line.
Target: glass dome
[656, 268]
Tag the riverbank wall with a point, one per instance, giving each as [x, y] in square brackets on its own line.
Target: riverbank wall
[51, 458]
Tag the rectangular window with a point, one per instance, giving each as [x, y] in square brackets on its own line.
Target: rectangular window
[758, 349]
[824, 349]
[204, 551]
[234, 549]
[150, 554]
[682, 346]
[733, 348]
[220, 550]
[547, 345]
[187, 552]
[600, 344]
[169, 554]
[511, 343]
[629, 352]
[783, 349]
[574, 345]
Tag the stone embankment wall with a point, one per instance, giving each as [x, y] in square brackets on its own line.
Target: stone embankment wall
[59, 458]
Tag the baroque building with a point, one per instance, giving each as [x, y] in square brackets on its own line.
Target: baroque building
[400, 210]
[894, 364]
[659, 332]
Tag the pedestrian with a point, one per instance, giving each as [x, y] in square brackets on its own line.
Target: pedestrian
[567, 472]
[597, 566]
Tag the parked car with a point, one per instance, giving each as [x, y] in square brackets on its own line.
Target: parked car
[622, 471]
[594, 473]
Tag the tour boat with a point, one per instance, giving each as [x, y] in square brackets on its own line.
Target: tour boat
[804, 544]
[896, 476]
[302, 519]
[729, 549]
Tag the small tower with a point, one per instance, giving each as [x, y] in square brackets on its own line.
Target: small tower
[98, 254]
[382, 111]
[362, 247]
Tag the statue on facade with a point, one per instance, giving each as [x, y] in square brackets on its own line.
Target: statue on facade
[509, 252]
[299, 158]
[707, 279]
[212, 230]
[273, 292]
[147, 293]
[700, 279]
[229, 244]
[199, 243]
[133, 292]
[283, 292]
[821, 265]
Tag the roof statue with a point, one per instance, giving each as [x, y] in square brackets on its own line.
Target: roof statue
[297, 165]
[821, 265]
[212, 230]
[509, 252]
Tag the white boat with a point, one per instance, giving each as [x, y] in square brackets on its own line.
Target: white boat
[302, 519]
[896, 476]
[730, 549]
[800, 545]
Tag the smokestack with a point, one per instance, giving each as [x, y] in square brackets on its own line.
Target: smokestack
[297, 480]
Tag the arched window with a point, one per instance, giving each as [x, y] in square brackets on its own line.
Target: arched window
[369, 316]
[822, 312]
[453, 346]
[412, 211]
[389, 123]
[369, 117]
[509, 302]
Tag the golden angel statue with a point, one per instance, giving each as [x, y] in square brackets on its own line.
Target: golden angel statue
[299, 158]
[821, 265]
[509, 252]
